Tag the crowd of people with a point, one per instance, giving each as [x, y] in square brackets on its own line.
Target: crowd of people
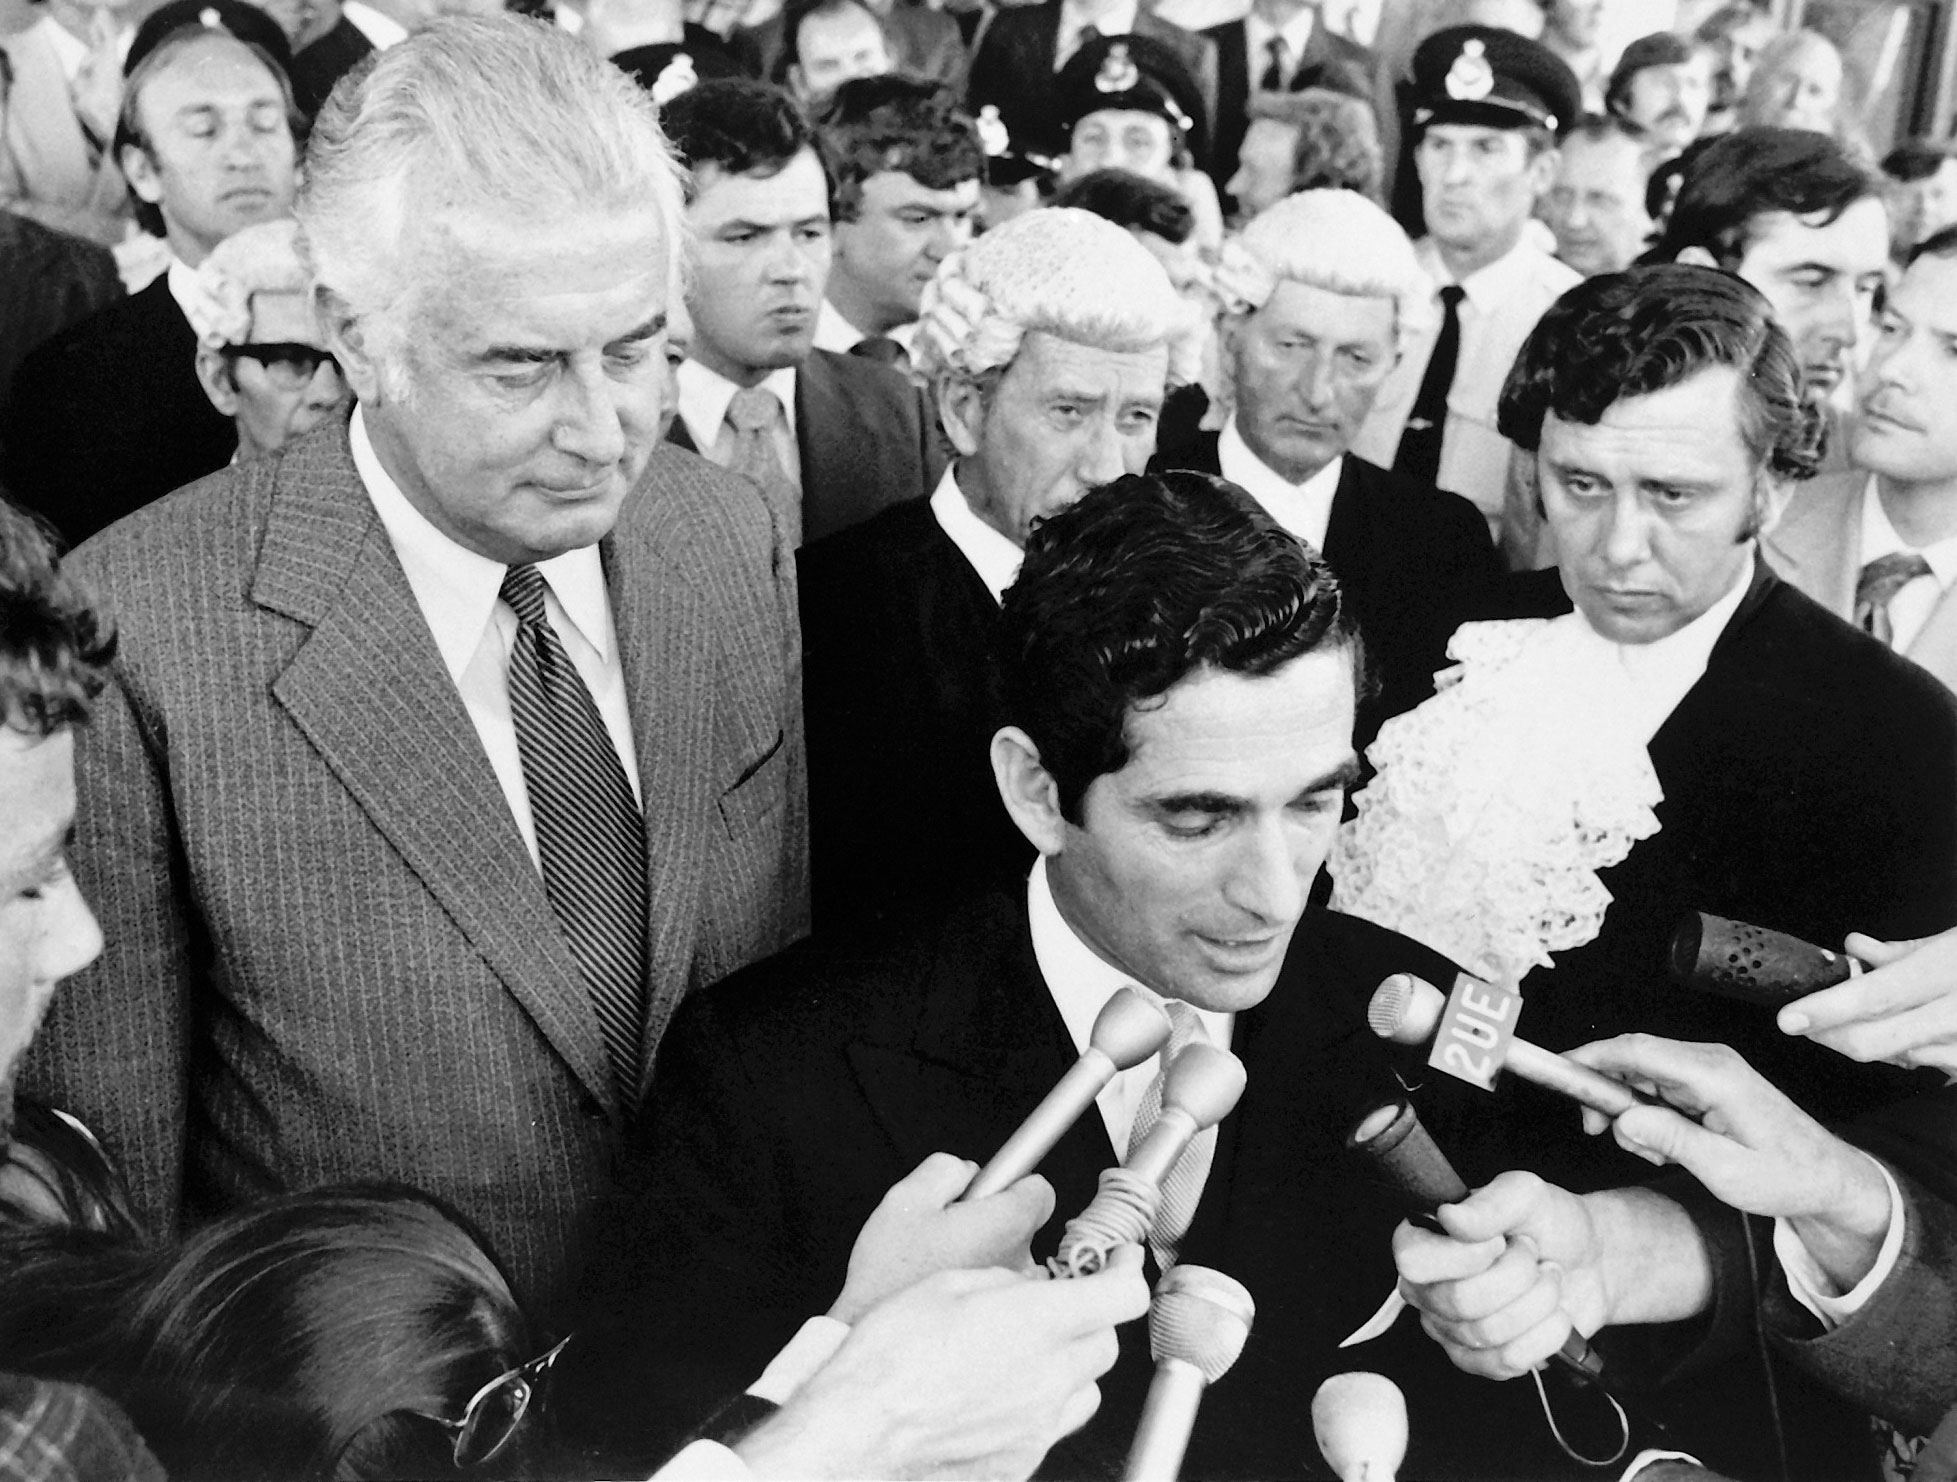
[623, 625]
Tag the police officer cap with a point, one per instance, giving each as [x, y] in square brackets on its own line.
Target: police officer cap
[232, 17]
[1485, 75]
[1133, 73]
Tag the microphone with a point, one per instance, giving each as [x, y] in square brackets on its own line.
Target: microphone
[1402, 1150]
[1360, 1420]
[1126, 1032]
[1752, 963]
[1407, 1010]
[1200, 1088]
[1197, 1325]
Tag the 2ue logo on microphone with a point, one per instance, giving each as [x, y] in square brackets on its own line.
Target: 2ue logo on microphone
[1476, 1030]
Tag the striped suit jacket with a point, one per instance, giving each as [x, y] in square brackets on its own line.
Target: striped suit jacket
[329, 954]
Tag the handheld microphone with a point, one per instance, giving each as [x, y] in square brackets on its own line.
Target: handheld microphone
[1752, 963]
[1197, 1325]
[1407, 1010]
[1360, 1421]
[1200, 1089]
[1126, 1032]
[1391, 1135]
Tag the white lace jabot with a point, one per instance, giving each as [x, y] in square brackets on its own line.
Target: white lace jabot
[1496, 803]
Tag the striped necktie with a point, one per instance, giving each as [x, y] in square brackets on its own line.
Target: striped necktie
[1183, 1188]
[1877, 587]
[591, 833]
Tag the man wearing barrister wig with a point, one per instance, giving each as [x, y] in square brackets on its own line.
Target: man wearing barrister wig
[1695, 735]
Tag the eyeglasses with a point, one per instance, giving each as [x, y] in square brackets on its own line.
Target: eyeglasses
[495, 1411]
[289, 365]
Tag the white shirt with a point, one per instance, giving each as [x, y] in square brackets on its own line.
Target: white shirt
[1501, 304]
[180, 278]
[995, 558]
[1809, 1284]
[383, 30]
[456, 590]
[1663, 671]
[1296, 34]
[704, 398]
[1081, 982]
[1303, 509]
[1910, 608]
[1119, 21]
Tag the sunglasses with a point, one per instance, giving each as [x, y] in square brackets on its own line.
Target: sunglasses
[288, 364]
[495, 1411]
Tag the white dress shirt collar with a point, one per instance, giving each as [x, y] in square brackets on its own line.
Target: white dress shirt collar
[181, 279]
[704, 396]
[1663, 672]
[455, 587]
[833, 332]
[383, 30]
[1489, 287]
[1303, 509]
[1257, 38]
[995, 558]
[1880, 538]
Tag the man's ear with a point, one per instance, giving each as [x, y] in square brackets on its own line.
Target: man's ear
[215, 377]
[798, 84]
[1771, 496]
[140, 171]
[351, 343]
[961, 408]
[1696, 257]
[1542, 173]
[1028, 790]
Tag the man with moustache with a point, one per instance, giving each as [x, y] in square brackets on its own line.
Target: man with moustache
[1662, 85]
[829, 439]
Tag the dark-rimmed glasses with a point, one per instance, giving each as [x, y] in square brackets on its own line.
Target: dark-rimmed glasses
[287, 363]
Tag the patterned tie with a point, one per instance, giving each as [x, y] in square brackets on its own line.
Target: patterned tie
[1880, 581]
[754, 414]
[1273, 79]
[1183, 1188]
[591, 834]
[1419, 456]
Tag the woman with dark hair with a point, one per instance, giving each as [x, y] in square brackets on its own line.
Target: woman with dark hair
[350, 1332]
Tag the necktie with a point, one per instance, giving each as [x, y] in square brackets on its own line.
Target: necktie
[754, 414]
[883, 350]
[1878, 585]
[1183, 1188]
[591, 834]
[1420, 445]
[1273, 79]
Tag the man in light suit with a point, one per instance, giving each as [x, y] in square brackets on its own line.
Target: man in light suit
[1877, 544]
[829, 439]
[448, 751]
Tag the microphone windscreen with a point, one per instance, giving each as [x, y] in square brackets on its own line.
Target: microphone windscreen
[1391, 1135]
[1751, 963]
[1360, 1421]
[1201, 1317]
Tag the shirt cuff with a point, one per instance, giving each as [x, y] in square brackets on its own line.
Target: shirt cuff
[1810, 1285]
[1647, 1458]
[812, 1347]
[704, 1461]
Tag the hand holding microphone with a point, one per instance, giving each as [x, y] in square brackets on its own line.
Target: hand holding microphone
[1197, 1327]
[1360, 1421]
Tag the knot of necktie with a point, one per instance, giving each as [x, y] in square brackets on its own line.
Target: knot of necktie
[753, 409]
[1878, 585]
[523, 589]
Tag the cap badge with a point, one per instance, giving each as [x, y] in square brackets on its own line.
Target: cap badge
[1470, 79]
[676, 77]
[994, 138]
[1118, 71]
[209, 19]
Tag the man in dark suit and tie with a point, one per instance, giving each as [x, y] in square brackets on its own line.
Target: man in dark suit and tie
[110, 414]
[1339, 291]
[828, 439]
[1280, 46]
[1179, 694]
[445, 752]
[900, 613]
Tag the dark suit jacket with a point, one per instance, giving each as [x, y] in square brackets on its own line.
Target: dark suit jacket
[1012, 69]
[867, 440]
[108, 416]
[1411, 561]
[792, 1096]
[1329, 60]
[900, 687]
[48, 281]
[316, 69]
[330, 956]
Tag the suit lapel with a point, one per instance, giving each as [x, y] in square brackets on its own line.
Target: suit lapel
[1346, 532]
[822, 413]
[1817, 544]
[1935, 648]
[369, 691]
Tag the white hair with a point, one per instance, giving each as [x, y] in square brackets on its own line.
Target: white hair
[1339, 241]
[498, 115]
[264, 258]
[1060, 271]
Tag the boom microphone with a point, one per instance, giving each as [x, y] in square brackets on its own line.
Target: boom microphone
[1360, 1420]
[1752, 963]
[1407, 1010]
[1200, 1089]
[1197, 1325]
[1126, 1032]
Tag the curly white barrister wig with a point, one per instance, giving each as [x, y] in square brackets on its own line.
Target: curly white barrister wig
[1060, 271]
[1339, 241]
[265, 258]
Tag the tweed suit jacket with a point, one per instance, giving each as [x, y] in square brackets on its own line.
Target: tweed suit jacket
[1817, 546]
[329, 955]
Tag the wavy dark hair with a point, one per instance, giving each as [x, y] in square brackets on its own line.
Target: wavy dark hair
[741, 126]
[893, 122]
[1132, 201]
[1733, 181]
[55, 645]
[1650, 328]
[1142, 583]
